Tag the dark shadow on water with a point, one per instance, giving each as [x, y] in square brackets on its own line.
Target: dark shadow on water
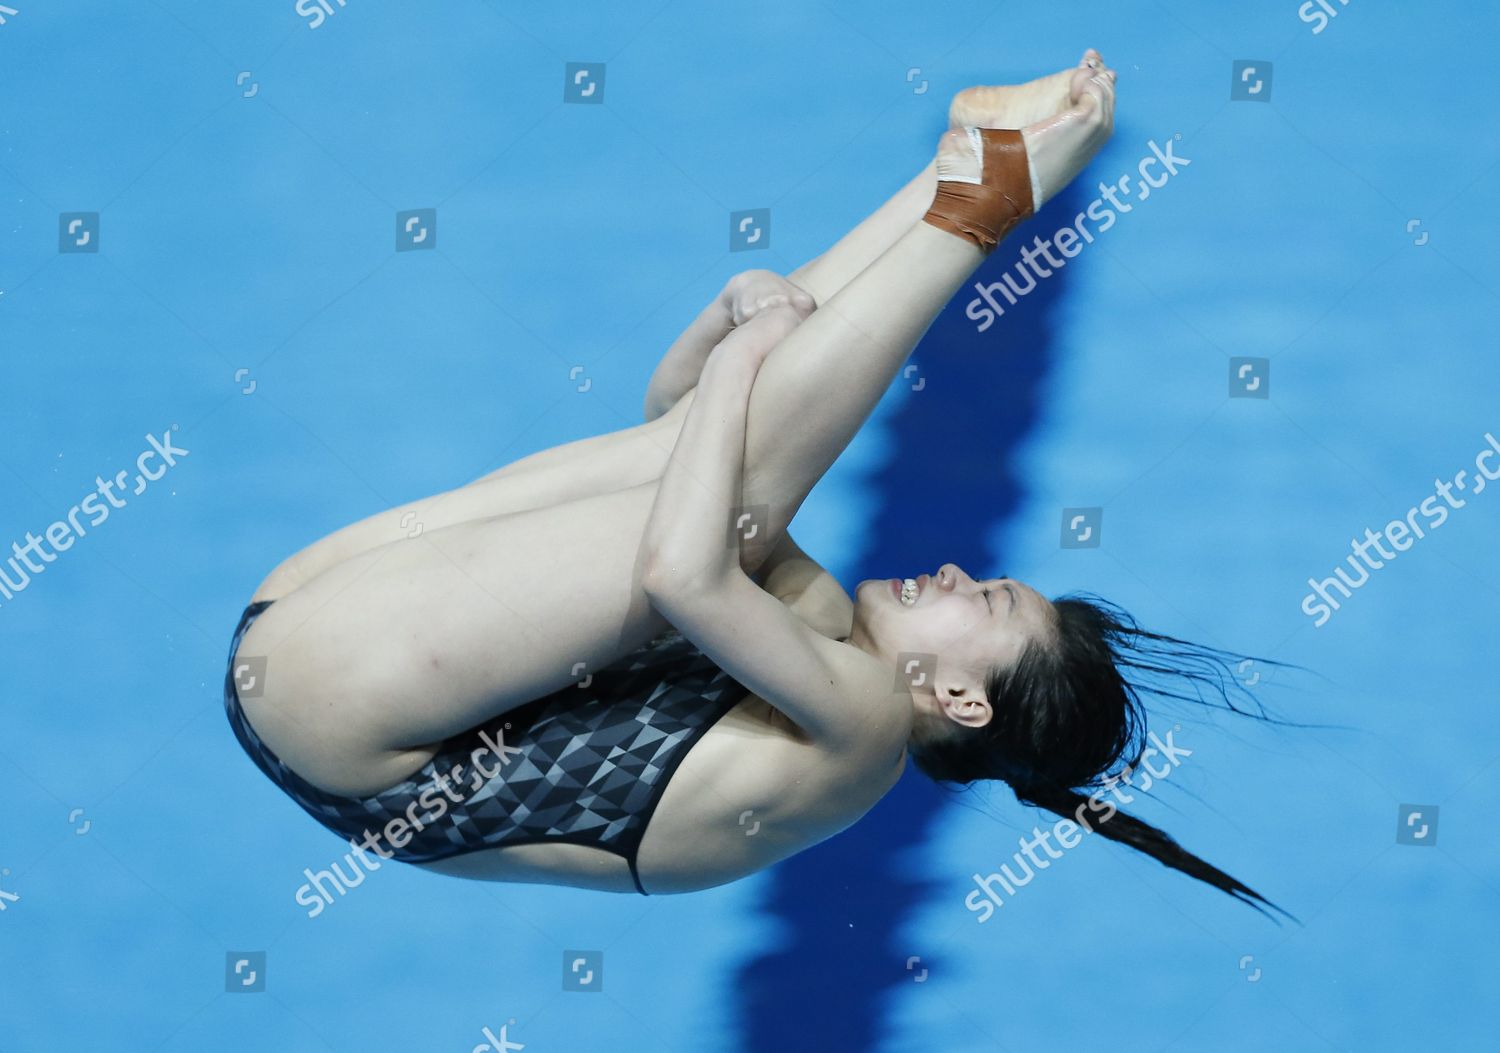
[842, 907]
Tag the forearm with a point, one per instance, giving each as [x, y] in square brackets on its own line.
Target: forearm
[687, 541]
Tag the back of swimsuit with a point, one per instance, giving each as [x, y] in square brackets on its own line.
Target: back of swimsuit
[585, 765]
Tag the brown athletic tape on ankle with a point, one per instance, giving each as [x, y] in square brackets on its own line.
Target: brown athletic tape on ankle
[985, 212]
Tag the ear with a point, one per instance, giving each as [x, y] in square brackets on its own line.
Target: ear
[962, 701]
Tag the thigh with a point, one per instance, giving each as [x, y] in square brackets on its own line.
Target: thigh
[588, 467]
[652, 439]
[416, 640]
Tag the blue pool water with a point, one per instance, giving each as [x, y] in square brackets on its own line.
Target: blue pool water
[231, 283]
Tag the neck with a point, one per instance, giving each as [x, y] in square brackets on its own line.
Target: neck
[856, 637]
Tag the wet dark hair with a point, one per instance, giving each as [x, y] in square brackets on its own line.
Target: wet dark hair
[1069, 709]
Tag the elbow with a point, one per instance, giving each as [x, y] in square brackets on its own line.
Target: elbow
[653, 579]
[659, 577]
[666, 578]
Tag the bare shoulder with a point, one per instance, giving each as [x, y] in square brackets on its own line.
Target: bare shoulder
[884, 710]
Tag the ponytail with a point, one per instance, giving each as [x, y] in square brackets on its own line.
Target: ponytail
[1143, 837]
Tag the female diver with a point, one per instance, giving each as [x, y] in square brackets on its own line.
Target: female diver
[608, 665]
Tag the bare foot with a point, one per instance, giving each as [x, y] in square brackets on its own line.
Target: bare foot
[1017, 105]
[1058, 145]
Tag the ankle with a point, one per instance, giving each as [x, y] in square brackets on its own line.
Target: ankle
[984, 185]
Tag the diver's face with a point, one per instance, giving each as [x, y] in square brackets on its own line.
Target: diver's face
[967, 623]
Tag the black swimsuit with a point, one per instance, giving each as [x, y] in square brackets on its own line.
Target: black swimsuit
[583, 765]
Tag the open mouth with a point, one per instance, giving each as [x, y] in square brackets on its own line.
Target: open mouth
[906, 590]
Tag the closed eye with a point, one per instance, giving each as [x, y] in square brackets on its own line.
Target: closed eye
[1009, 591]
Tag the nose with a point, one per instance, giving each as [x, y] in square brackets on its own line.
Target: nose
[949, 575]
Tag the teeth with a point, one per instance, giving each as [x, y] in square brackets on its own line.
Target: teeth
[908, 591]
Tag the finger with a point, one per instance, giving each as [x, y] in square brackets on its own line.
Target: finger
[1078, 82]
[1097, 93]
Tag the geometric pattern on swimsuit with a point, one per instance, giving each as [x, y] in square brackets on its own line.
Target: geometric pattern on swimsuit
[583, 765]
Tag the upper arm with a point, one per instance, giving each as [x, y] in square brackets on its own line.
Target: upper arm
[833, 691]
